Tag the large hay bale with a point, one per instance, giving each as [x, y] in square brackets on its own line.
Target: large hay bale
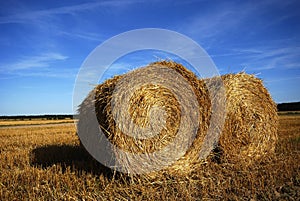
[141, 146]
[250, 130]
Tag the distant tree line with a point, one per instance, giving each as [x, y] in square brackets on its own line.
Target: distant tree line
[32, 117]
[295, 106]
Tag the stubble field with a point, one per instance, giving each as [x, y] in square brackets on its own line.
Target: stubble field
[46, 163]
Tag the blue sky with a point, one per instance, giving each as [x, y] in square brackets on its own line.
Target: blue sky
[44, 43]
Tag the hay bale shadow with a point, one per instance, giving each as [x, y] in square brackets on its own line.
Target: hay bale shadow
[72, 157]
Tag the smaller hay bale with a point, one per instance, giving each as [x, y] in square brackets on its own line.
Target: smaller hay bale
[250, 130]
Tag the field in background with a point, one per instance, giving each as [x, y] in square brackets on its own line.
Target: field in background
[289, 113]
[47, 163]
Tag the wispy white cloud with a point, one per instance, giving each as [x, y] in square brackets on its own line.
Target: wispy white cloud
[82, 35]
[32, 15]
[44, 65]
[226, 17]
[40, 61]
[51, 73]
[267, 58]
[283, 79]
[221, 18]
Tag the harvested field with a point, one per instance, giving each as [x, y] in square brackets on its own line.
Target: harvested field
[8, 123]
[48, 164]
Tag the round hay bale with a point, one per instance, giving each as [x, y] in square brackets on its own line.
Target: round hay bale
[155, 117]
[250, 130]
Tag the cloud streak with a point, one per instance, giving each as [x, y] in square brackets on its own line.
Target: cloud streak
[283, 79]
[215, 24]
[53, 73]
[219, 19]
[44, 65]
[40, 61]
[82, 35]
[28, 16]
[271, 57]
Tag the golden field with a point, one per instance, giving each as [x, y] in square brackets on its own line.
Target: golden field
[46, 163]
[5, 123]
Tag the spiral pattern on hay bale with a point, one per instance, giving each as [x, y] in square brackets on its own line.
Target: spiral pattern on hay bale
[156, 117]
